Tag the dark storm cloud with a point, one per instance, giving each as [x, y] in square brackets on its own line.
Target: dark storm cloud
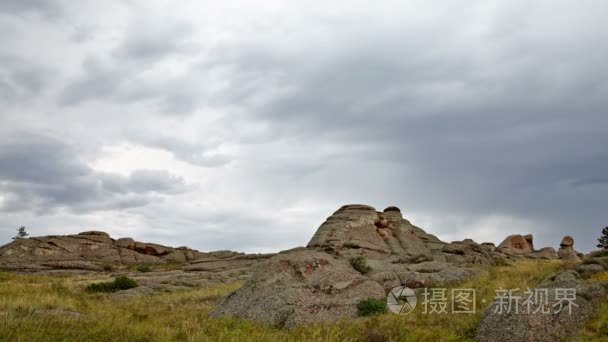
[21, 79]
[42, 173]
[473, 136]
[48, 8]
[464, 115]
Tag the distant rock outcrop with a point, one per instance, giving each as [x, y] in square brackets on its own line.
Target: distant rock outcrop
[517, 245]
[97, 251]
[566, 249]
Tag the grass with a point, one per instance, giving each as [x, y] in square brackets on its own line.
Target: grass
[143, 268]
[183, 316]
[359, 263]
[372, 306]
[120, 283]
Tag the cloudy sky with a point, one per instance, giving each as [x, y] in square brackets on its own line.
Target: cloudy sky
[243, 124]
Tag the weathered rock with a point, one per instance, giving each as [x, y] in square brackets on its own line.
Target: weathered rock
[126, 243]
[95, 232]
[516, 245]
[175, 256]
[89, 250]
[300, 288]
[588, 270]
[317, 284]
[548, 253]
[356, 229]
[539, 327]
[567, 241]
[73, 265]
[489, 246]
[566, 250]
[130, 293]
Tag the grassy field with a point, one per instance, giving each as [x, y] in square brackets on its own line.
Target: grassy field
[38, 308]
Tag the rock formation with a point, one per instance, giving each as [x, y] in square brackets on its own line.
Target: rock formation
[546, 327]
[317, 284]
[566, 249]
[97, 251]
[516, 245]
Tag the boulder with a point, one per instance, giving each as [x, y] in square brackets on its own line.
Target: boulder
[567, 241]
[356, 229]
[125, 243]
[488, 246]
[548, 253]
[566, 250]
[300, 288]
[516, 245]
[85, 251]
[553, 326]
[175, 256]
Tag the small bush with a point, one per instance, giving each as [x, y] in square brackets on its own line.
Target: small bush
[598, 254]
[360, 264]
[120, 283]
[371, 306]
[144, 268]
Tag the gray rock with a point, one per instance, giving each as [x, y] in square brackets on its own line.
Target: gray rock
[539, 327]
[548, 253]
[516, 245]
[300, 288]
[588, 270]
[126, 243]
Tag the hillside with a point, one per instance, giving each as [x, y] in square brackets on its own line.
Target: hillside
[306, 293]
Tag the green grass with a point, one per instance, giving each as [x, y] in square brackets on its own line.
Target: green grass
[359, 263]
[183, 316]
[143, 268]
[120, 283]
[372, 306]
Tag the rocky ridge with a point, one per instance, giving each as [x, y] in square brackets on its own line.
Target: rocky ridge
[305, 285]
[96, 251]
[317, 284]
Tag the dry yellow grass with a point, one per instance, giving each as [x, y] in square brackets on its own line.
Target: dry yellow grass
[183, 316]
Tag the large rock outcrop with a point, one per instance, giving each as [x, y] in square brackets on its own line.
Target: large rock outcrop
[561, 322]
[566, 249]
[517, 245]
[317, 284]
[97, 251]
[299, 288]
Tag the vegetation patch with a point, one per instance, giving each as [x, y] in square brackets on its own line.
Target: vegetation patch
[360, 264]
[169, 316]
[120, 283]
[144, 268]
[372, 306]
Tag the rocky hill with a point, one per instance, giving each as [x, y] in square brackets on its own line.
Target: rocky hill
[318, 283]
[357, 253]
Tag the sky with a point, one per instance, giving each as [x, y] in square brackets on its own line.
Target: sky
[243, 125]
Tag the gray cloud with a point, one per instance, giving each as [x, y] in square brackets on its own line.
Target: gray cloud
[22, 80]
[456, 115]
[43, 174]
[47, 8]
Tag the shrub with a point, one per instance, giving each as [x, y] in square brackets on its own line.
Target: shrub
[120, 283]
[603, 240]
[599, 254]
[360, 264]
[21, 234]
[144, 268]
[371, 306]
